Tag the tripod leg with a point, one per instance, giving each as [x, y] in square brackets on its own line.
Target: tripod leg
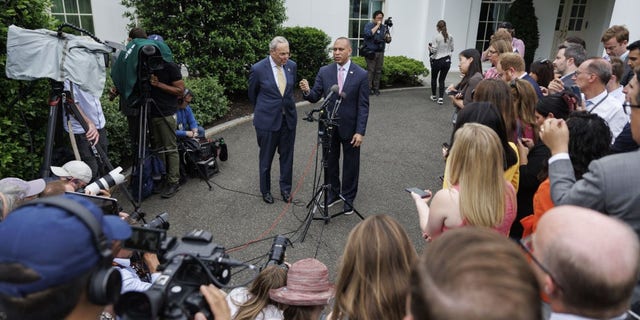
[45, 171]
[314, 206]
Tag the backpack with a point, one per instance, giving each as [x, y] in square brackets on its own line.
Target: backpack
[153, 168]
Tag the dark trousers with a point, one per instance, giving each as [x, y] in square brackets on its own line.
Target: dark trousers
[269, 142]
[350, 168]
[86, 152]
[163, 132]
[374, 68]
[439, 69]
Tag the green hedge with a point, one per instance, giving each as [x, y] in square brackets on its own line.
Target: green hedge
[308, 49]
[398, 70]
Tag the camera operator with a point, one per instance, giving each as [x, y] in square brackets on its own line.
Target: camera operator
[166, 86]
[376, 36]
[90, 108]
[134, 275]
[50, 255]
[76, 174]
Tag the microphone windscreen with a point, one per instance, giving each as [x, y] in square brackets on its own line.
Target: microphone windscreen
[335, 88]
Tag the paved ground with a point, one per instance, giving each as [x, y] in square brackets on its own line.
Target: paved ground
[402, 149]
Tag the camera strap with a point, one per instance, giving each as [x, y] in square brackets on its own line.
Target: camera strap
[72, 138]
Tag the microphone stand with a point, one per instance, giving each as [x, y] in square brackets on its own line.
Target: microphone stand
[327, 121]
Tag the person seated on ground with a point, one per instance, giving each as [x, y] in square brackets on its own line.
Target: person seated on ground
[589, 138]
[587, 263]
[186, 121]
[473, 273]
[15, 191]
[479, 194]
[134, 273]
[75, 173]
[487, 113]
[51, 252]
[374, 272]
[53, 188]
[307, 292]
[254, 302]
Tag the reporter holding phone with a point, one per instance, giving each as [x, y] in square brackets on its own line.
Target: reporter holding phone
[475, 163]
[471, 67]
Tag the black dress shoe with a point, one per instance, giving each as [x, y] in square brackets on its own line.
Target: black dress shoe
[171, 190]
[286, 197]
[267, 197]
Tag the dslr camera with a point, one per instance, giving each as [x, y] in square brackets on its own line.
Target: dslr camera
[388, 22]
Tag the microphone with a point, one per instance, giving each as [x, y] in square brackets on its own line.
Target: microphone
[337, 105]
[334, 89]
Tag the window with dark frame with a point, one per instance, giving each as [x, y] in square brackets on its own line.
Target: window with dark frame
[492, 12]
[76, 12]
[360, 12]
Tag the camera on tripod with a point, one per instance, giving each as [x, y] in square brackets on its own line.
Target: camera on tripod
[150, 61]
[388, 22]
[187, 263]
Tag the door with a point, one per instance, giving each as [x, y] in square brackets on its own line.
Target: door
[570, 21]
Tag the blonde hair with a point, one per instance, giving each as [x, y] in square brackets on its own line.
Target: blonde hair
[501, 46]
[476, 163]
[374, 272]
[271, 277]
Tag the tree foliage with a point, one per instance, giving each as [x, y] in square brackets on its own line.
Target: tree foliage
[213, 38]
[308, 49]
[398, 70]
[522, 15]
[23, 123]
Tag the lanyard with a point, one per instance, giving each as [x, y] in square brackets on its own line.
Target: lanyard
[599, 102]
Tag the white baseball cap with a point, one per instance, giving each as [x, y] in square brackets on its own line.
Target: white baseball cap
[74, 169]
[22, 188]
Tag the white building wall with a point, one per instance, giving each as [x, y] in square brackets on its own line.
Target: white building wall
[330, 16]
[109, 22]
[546, 11]
[626, 12]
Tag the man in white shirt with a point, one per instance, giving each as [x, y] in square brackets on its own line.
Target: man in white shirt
[591, 77]
[615, 40]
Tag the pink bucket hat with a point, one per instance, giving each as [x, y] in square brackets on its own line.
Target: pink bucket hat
[307, 285]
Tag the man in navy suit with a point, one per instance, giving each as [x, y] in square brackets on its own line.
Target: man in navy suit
[271, 84]
[352, 117]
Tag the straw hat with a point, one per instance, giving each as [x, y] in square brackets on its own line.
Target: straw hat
[307, 285]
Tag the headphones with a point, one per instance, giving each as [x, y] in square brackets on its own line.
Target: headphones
[105, 282]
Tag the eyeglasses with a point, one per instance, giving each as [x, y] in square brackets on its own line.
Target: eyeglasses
[627, 106]
[526, 244]
[578, 72]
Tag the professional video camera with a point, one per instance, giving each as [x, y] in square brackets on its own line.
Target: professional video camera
[187, 263]
[388, 22]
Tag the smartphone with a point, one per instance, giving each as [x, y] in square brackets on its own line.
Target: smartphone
[423, 194]
[576, 91]
[108, 205]
[452, 92]
[145, 239]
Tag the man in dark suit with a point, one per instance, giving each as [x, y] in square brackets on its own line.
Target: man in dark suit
[351, 115]
[611, 184]
[271, 84]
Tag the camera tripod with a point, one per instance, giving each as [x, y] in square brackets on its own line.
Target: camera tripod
[320, 200]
